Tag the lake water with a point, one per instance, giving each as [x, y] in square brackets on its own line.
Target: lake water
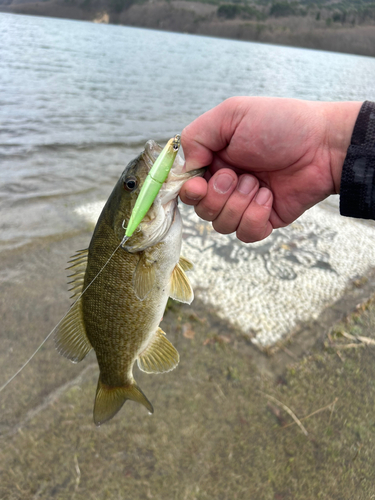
[78, 100]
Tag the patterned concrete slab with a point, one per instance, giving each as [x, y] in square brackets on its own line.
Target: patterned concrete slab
[268, 288]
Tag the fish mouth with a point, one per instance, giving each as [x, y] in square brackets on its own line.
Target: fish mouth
[176, 179]
[151, 152]
[177, 175]
[162, 213]
[178, 170]
[154, 228]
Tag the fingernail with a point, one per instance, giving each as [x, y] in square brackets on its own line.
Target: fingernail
[247, 184]
[223, 183]
[192, 196]
[263, 196]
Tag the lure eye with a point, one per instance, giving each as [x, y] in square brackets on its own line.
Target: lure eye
[130, 184]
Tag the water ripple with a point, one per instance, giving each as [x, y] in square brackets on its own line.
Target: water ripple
[79, 100]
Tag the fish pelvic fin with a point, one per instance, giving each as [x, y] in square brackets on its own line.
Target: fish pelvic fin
[185, 264]
[181, 289]
[160, 355]
[109, 400]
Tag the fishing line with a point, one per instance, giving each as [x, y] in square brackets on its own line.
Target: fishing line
[62, 319]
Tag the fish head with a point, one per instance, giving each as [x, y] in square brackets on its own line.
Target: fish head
[159, 218]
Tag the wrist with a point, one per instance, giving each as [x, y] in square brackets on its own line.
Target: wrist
[340, 121]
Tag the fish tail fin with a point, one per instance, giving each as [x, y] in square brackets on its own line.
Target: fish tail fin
[109, 400]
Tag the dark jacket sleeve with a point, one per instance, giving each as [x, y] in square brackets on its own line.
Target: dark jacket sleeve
[357, 190]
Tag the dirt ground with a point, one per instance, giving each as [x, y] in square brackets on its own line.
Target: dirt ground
[229, 422]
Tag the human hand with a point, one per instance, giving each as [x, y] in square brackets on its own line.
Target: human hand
[269, 160]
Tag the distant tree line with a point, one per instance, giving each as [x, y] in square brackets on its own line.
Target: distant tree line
[345, 12]
[232, 10]
[113, 6]
[353, 12]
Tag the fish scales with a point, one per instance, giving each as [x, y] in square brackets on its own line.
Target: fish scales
[119, 324]
[126, 289]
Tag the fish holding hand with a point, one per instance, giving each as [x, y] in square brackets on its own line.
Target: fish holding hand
[123, 285]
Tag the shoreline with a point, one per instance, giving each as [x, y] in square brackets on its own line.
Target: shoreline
[178, 18]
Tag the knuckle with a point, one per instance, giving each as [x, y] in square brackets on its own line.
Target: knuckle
[205, 213]
[221, 227]
[254, 226]
[251, 236]
[246, 236]
[210, 207]
[231, 213]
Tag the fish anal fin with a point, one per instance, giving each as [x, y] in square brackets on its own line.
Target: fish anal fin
[160, 355]
[144, 276]
[185, 264]
[180, 286]
[70, 338]
[109, 400]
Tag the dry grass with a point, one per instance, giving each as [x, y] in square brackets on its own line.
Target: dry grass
[214, 434]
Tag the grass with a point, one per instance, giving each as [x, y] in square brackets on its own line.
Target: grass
[220, 429]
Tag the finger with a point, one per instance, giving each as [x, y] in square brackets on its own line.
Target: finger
[230, 217]
[255, 224]
[220, 187]
[193, 191]
[210, 132]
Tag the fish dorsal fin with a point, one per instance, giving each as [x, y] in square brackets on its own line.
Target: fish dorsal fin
[185, 264]
[78, 264]
[180, 286]
[70, 338]
[160, 355]
[144, 276]
[109, 400]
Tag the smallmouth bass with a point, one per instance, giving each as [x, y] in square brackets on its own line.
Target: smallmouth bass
[126, 288]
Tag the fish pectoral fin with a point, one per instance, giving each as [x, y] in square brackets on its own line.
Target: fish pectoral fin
[185, 264]
[70, 338]
[160, 355]
[144, 276]
[180, 286]
[109, 400]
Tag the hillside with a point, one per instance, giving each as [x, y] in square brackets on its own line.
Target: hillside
[343, 26]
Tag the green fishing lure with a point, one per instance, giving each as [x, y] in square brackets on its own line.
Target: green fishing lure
[153, 183]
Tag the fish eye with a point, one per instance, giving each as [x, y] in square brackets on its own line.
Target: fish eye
[130, 184]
